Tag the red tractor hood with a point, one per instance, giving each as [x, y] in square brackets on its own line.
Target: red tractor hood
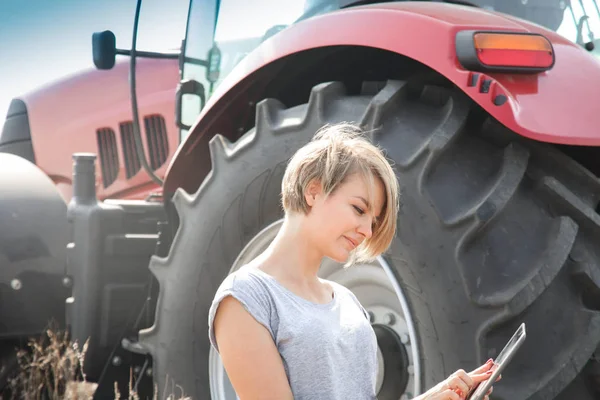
[64, 117]
[559, 106]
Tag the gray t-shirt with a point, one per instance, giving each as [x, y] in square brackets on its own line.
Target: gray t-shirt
[329, 351]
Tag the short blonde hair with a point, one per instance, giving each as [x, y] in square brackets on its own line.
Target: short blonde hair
[334, 153]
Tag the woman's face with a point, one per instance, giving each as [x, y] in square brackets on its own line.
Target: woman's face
[341, 222]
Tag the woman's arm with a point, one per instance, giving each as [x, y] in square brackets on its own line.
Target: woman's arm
[249, 354]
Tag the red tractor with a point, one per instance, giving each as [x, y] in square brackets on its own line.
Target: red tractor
[487, 110]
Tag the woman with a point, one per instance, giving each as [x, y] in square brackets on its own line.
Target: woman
[284, 333]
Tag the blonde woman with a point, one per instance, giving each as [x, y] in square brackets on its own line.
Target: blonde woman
[284, 333]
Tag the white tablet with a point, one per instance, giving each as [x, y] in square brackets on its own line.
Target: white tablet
[500, 363]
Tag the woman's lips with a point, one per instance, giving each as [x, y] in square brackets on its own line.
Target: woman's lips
[353, 243]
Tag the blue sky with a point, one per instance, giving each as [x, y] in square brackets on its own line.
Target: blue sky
[43, 40]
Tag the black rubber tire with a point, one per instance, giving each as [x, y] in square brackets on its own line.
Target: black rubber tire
[494, 230]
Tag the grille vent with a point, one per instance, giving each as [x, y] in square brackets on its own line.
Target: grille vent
[109, 160]
[156, 135]
[132, 162]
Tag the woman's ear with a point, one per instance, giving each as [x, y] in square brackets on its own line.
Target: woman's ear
[313, 189]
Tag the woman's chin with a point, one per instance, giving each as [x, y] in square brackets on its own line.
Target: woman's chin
[340, 256]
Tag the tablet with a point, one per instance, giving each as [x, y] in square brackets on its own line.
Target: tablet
[500, 363]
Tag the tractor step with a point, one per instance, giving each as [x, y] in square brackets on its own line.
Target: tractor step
[134, 346]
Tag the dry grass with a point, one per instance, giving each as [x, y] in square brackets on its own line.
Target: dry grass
[52, 368]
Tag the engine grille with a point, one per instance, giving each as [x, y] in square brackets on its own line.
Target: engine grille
[157, 148]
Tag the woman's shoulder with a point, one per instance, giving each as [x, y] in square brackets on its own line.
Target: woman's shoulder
[246, 278]
[249, 285]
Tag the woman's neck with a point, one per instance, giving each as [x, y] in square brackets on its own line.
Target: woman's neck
[293, 254]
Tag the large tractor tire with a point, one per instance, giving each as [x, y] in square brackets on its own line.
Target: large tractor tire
[494, 230]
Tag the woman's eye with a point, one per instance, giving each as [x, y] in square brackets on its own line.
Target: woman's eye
[359, 210]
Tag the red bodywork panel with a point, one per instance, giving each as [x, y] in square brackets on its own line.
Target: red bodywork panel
[558, 106]
[64, 117]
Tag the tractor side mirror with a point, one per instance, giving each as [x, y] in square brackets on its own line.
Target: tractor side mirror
[104, 49]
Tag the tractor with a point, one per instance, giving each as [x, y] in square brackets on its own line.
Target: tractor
[485, 109]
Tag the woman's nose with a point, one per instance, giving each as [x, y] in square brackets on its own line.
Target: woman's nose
[366, 229]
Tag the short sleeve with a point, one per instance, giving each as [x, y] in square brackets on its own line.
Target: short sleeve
[251, 293]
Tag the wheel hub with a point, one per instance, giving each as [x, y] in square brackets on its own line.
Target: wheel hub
[378, 291]
[394, 362]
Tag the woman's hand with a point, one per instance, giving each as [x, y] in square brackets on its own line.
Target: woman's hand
[458, 385]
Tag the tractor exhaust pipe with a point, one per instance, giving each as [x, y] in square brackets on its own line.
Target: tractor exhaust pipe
[84, 178]
[83, 214]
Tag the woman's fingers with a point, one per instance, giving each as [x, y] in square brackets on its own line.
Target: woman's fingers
[481, 377]
[484, 368]
[460, 383]
[449, 394]
[465, 377]
[457, 383]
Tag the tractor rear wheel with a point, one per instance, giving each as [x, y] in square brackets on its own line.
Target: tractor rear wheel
[494, 230]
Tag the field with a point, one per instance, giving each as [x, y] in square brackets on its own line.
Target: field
[50, 368]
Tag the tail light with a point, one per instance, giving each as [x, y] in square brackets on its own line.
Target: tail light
[504, 51]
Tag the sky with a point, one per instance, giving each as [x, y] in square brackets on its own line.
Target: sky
[44, 40]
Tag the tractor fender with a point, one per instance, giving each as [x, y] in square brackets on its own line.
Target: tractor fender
[33, 246]
[555, 106]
